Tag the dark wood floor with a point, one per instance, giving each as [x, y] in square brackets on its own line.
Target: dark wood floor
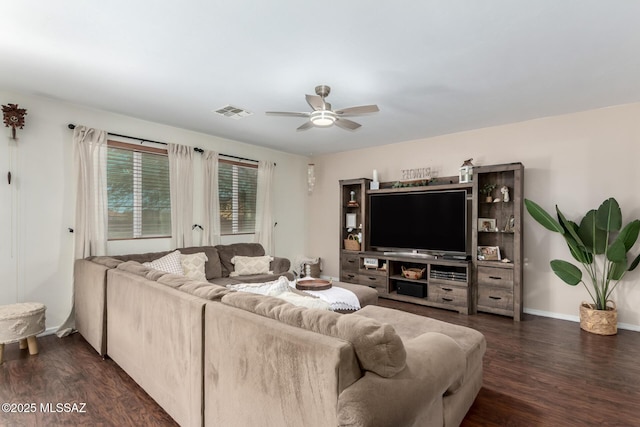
[539, 372]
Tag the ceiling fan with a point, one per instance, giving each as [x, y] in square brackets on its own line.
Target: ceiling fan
[322, 114]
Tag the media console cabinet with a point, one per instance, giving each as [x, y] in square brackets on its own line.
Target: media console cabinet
[480, 284]
[444, 283]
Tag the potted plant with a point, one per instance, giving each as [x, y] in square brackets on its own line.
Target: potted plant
[486, 190]
[600, 244]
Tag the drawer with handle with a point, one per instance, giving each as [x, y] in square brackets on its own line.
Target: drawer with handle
[349, 262]
[494, 276]
[495, 298]
[451, 295]
[349, 277]
[376, 281]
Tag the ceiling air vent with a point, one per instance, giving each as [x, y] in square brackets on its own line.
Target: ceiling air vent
[233, 112]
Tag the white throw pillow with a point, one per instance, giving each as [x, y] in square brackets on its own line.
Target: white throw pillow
[170, 263]
[193, 265]
[244, 265]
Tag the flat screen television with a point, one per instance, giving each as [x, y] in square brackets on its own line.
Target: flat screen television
[428, 221]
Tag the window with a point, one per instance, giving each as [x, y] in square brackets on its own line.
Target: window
[237, 185]
[138, 192]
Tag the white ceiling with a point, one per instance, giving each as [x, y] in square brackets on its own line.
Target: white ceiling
[433, 67]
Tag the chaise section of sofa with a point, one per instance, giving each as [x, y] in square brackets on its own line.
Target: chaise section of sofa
[296, 366]
[456, 402]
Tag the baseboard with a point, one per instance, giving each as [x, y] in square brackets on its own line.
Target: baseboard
[576, 319]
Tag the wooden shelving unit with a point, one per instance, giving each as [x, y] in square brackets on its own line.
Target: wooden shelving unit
[499, 284]
[490, 286]
[352, 190]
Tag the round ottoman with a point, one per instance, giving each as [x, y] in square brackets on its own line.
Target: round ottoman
[21, 322]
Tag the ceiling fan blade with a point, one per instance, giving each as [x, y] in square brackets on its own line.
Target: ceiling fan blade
[316, 102]
[305, 126]
[346, 124]
[287, 113]
[362, 109]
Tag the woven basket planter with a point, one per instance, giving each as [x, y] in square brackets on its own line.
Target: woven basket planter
[601, 322]
[351, 243]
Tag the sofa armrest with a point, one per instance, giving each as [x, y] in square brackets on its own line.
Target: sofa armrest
[89, 295]
[435, 365]
[280, 265]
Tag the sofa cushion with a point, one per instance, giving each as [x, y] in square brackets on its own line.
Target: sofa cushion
[378, 347]
[193, 265]
[170, 263]
[409, 326]
[213, 268]
[136, 268]
[107, 261]
[141, 258]
[244, 265]
[204, 290]
[226, 252]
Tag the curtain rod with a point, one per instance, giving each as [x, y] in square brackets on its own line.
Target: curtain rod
[196, 149]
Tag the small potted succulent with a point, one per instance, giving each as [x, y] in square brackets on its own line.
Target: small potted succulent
[487, 189]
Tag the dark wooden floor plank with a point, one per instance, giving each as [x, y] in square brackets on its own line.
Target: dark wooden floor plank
[538, 372]
[69, 371]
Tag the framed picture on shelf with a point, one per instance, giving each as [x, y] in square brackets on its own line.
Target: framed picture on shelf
[350, 221]
[510, 225]
[489, 253]
[486, 224]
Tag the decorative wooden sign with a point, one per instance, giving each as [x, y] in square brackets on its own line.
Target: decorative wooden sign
[416, 174]
[13, 117]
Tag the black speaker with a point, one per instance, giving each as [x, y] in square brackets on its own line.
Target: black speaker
[413, 289]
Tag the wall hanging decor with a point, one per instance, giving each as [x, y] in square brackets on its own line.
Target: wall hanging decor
[13, 117]
[311, 177]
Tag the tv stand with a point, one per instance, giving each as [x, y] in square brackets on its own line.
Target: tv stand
[443, 284]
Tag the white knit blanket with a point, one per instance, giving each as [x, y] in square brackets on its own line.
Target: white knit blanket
[338, 298]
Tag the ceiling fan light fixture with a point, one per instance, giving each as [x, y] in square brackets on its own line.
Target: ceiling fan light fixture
[322, 118]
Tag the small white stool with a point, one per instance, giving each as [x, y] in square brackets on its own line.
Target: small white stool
[21, 322]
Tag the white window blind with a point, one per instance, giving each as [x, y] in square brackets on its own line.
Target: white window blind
[237, 185]
[138, 192]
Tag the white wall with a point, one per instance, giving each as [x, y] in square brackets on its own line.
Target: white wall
[36, 250]
[575, 161]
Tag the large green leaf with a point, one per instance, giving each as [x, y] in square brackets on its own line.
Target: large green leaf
[570, 227]
[594, 239]
[629, 234]
[618, 269]
[543, 218]
[634, 263]
[609, 216]
[579, 253]
[616, 252]
[568, 272]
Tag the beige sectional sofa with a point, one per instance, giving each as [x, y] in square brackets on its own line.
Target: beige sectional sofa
[90, 281]
[213, 357]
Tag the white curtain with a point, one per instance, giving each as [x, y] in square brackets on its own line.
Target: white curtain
[90, 163]
[211, 202]
[264, 211]
[181, 193]
[90, 229]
